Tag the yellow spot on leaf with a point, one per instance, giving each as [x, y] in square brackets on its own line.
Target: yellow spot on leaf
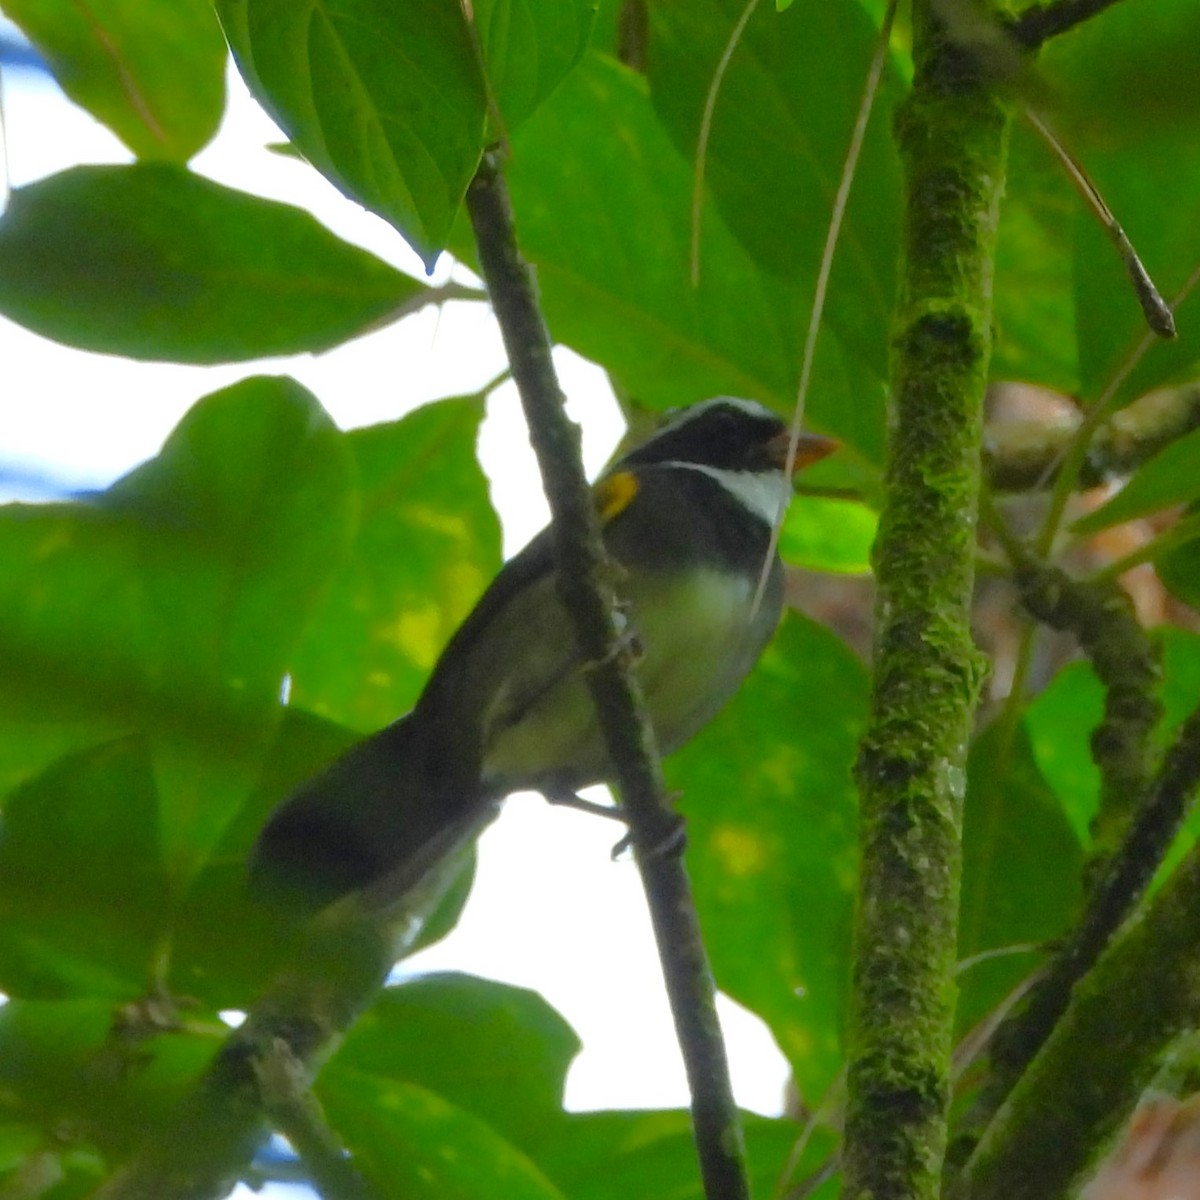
[742, 851]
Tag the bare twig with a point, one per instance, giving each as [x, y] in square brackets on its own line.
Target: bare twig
[585, 579]
[201, 1149]
[1101, 616]
[1154, 308]
[1021, 456]
[1040, 22]
[1140, 996]
[1123, 884]
[1070, 464]
[296, 1113]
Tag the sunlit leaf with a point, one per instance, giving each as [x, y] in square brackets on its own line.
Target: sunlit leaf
[152, 70]
[645, 1155]
[410, 1141]
[529, 47]
[772, 841]
[615, 278]
[154, 262]
[65, 1065]
[386, 100]
[1059, 723]
[829, 535]
[1022, 865]
[497, 1051]
[428, 543]
[780, 131]
[171, 603]
[83, 882]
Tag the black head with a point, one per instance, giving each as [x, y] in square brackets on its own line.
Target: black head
[725, 432]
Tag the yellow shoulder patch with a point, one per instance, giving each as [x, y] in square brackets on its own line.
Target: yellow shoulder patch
[614, 494]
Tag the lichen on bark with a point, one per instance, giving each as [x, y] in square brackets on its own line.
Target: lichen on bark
[952, 133]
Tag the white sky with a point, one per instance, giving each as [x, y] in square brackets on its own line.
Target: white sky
[549, 910]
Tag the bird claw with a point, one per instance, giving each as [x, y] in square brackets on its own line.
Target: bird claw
[568, 799]
[670, 839]
[627, 643]
[671, 843]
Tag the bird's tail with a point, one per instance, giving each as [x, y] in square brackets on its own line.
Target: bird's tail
[381, 816]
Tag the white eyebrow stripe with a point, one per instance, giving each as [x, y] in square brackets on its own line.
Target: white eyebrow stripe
[750, 407]
[763, 493]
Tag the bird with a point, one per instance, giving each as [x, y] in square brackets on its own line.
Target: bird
[687, 517]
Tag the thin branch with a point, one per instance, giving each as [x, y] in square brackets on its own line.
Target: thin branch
[1102, 618]
[439, 296]
[1155, 309]
[1186, 529]
[296, 1113]
[1141, 995]
[1041, 22]
[1076, 452]
[1124, 883]
[340, 962]
[585, 580]
[1021, 456]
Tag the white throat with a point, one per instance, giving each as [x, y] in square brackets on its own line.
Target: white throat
[763, 493]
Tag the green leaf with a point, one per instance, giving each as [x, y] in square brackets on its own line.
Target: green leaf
[648, 1155]
[1021, 869]
[496, 1051]
[829, 535]
[615, 278]
[1059, 723]
[1171, 477]
[1179, 569]
[1146, 90]
[152, 70]
[224, 943]
[16, 1143]
[772, 841]
[781, 128]
[83, 885]
[1180, 693]
[1180, 696]
[70, 1065]
[242, 518]
[411, 1142]
[153, 262]
[1034, 314]
[529, 47]
[68, 627]
[172, 602]
[240, 515]
[385, 99]
[428, 543]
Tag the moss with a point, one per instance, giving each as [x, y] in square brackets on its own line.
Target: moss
[912, 766]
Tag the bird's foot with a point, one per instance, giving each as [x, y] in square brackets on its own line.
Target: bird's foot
[669, 839]
[669, 836]
[569, 799]
[627, 644]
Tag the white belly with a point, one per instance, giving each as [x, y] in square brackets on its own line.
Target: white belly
[697, 641]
